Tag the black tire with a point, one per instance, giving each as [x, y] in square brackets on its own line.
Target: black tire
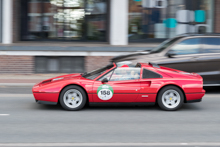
[178, 103]
[72, 87]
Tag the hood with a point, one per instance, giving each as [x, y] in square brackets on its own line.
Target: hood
[75, 75]
[63, 77]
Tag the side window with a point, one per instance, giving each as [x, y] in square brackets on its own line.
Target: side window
[108, 75]
[147, 74]
[130, 73]
[188, 46]
[211, 45]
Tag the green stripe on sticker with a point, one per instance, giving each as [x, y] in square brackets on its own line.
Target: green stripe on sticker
[105, 92]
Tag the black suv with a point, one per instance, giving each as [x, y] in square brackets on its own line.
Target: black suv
[199, 53]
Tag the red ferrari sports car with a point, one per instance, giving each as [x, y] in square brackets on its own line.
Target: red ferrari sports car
[143, 83]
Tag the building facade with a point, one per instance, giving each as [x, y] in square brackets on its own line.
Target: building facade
[159, 19]
[42, 36]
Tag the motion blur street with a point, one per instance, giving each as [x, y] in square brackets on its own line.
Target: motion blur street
[77, 52]
[28, 122]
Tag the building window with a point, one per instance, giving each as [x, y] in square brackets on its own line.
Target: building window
[64, 20]
[59, 64]
[161, 19]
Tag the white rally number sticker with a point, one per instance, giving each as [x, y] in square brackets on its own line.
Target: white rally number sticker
[105, 92]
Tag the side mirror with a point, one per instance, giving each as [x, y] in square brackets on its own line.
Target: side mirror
[170, 54]
[105, 80]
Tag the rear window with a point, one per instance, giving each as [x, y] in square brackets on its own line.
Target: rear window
[147, 74]
[188, 46]
[211, 45]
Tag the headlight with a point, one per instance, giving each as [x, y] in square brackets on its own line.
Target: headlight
[36, 86]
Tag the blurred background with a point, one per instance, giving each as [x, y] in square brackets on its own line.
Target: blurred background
[71, 36]
[40, 39]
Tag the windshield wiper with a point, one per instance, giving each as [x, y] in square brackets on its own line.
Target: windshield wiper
[83, 74]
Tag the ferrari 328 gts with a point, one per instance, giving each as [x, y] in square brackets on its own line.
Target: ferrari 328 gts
[122, 83]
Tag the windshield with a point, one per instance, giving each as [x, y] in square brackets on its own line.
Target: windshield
[95, 73]
[164, 45]
[125, 63]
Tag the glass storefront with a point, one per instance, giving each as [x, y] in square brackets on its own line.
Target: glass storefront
[64, 20]
[161, 19]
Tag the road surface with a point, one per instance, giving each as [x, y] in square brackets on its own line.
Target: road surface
[24, 121]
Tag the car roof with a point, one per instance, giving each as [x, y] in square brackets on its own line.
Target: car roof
[150, 64]
[198, 35]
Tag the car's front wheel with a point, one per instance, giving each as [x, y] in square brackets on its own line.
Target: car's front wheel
[170, 98]
[73, 98]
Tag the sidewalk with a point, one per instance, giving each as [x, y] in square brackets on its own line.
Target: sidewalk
[24, 79]
[74, 47]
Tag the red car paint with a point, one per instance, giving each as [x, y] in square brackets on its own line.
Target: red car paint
[139, 90]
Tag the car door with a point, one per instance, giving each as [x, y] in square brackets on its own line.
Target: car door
[123, 86]
[148, 81]
[210, 60]
[183, 55]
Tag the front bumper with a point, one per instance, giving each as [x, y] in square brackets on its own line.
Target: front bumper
[46, 97]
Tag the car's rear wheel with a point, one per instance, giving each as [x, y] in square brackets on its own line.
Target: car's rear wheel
[170, 98]
[73, 98]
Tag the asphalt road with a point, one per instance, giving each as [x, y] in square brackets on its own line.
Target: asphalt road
[24, 121]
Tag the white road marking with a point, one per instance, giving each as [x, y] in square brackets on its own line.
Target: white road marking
[107, 144]
[4, 114]
[17, 84]
[16, 95]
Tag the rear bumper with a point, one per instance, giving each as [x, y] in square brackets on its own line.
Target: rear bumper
[194, 97]
[46, 102]
[194, 101]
